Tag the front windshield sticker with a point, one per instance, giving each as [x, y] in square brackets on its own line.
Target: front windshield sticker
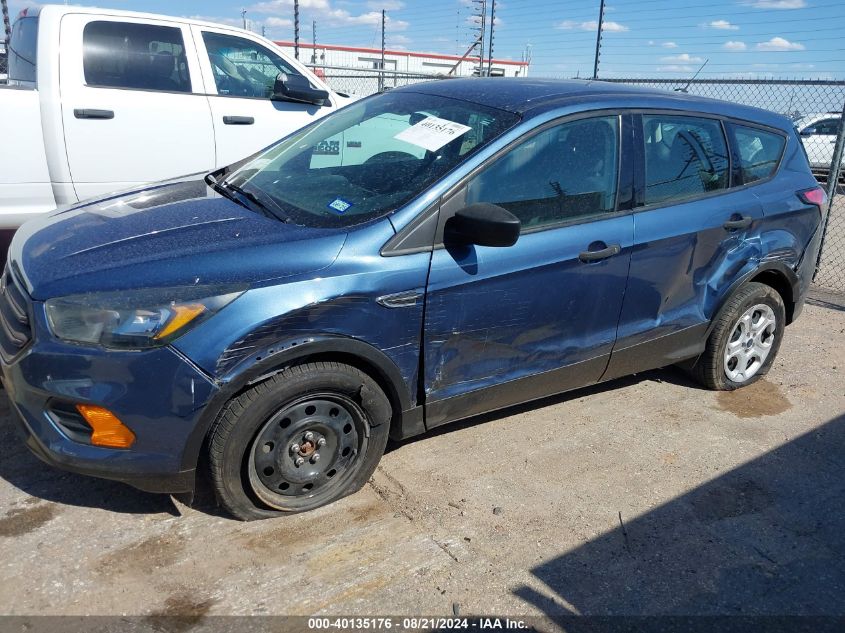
[432, 133]
[339, 205]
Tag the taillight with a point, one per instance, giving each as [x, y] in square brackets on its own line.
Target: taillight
[815, 196]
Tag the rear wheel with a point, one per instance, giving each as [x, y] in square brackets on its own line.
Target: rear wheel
[745, 339]
[306, 437]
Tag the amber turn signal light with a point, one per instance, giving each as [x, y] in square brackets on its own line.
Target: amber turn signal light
[108, 430]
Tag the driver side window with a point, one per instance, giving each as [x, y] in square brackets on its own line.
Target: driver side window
[243, 68]
[565, 173]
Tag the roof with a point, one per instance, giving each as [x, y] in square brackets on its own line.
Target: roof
[399, 53]
[529, 96]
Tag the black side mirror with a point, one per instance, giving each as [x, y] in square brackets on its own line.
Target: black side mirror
[808, 131]
[484, 224]
[297, 88]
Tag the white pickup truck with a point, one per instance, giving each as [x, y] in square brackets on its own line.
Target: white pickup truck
[102, 100]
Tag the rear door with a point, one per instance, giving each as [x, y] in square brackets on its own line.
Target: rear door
[506, 325]
[133, 103]
[693, 235]
[241, 73]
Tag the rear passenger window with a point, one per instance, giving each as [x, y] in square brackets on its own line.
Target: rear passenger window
[565, 173]
[759, 152]
[137, 56]
[685, 157]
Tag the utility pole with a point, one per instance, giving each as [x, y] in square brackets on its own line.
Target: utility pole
[243, 17]
[263, 31]
[598, 40]
[314, 41]
[381, 74]
[481, 6]
[7, 26]
[296, 28]
[490, 45]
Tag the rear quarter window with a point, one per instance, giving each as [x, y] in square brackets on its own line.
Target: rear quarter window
[759, 152]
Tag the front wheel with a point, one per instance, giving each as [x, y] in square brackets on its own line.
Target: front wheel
[306, 437]
[745, 339]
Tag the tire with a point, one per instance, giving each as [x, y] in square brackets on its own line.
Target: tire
[737, 323]
[302, 439]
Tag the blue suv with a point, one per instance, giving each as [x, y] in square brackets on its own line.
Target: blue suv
[420, 256]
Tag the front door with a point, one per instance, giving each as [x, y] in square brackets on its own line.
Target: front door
[506, 325]
[133, 106]
[241, 74]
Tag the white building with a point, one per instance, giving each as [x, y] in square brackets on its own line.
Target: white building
[402, 66]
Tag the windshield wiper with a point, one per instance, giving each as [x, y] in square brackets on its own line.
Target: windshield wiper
[228, 188]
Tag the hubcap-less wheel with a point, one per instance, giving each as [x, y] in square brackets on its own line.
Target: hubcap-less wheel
[750, 343]
[308, 448]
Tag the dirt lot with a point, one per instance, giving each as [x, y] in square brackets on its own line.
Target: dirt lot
[643, 496]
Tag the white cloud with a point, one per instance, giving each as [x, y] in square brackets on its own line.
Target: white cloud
[277, 23]
[777, 4]
[326, 14]
[734, 46]
[669, 45]
[387, 5]
[592, 25]
[723, 25]
[780, 44]
[683, 58]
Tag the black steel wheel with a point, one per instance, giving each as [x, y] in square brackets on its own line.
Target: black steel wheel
[308, 448]
[302, 439]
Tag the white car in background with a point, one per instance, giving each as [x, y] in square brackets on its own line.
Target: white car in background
[101, 100]
[818, 133]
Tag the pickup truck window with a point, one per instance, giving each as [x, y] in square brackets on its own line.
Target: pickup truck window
[22, 50]
[243, 68]
[135, 56]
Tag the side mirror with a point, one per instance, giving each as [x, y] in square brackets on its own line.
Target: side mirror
[297, 88]
[484, 224]
[808, 131]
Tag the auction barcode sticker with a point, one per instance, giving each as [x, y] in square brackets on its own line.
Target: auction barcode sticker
[432, 133]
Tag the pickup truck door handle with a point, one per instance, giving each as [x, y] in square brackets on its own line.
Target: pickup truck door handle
[238, 120]
[601, 253]
[88, 113]
[738, 222]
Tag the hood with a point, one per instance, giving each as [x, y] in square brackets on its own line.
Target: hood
[173, 234]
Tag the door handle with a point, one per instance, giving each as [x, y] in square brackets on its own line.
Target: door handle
[737, 222]
[238, 120]
[88, 113]
[599, 254]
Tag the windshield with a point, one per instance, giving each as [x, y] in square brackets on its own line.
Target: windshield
[369, 158]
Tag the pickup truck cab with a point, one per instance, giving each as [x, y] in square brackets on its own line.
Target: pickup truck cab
[101, 100]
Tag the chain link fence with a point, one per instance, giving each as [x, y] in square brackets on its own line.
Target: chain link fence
[363, 82]
[4, 64]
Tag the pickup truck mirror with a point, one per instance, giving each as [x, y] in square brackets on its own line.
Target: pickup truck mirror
[484, 224]
[297, 88]
[808, 131]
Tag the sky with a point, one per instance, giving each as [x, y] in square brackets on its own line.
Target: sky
[641, 38]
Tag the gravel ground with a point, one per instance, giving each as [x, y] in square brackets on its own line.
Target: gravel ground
[646, 495]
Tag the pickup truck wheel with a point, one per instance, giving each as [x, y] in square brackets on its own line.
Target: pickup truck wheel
[302, 439]
[745, 339]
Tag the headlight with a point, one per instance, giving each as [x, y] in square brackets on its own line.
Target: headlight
[135, 319]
